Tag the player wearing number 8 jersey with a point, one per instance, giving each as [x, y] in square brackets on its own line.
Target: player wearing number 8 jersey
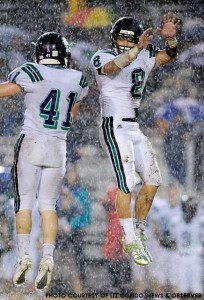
[52, 98]
[121, 73]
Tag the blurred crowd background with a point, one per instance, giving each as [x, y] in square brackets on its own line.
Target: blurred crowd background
[88, 253]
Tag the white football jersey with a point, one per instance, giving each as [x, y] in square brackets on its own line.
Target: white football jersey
[167, 216]
[121, 93]
[51, 93]
[190, 236]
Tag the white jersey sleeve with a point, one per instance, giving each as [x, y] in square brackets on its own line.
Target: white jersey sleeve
[101, 58]
[50, 95]
[24, 78]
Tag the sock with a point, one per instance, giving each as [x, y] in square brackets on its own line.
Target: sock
[128, 229]
[139, 226]
[48, 249]
[23, 243]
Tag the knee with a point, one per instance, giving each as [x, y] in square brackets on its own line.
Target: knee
[23, 204]
[129, 185]
[155, 179]
[131, 182]
[47, 205]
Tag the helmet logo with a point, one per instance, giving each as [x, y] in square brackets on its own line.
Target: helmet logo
[126, 32]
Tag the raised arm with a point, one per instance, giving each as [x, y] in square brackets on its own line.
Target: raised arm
[9, 89]
[168, 31]
[124, 59]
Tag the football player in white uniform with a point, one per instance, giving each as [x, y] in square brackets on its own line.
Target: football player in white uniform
[52, 98]
[121, 74]
[189, 234]
[163, 223]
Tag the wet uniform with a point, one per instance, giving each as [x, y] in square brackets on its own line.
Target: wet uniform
[40, 151]
[189, 242]
[166, 218]
[120, 95]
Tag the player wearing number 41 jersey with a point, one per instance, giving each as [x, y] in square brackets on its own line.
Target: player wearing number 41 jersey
[121, 73]
[51, 94]
[52, 98]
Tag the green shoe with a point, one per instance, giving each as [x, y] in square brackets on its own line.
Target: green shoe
[144, 238]
[136, 251]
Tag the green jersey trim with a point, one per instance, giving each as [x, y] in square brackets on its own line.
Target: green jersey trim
[111, 143]
[32, 72]
[153, 50]
[83, 82]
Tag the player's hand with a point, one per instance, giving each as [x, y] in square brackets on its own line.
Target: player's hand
[145, 38]
[170, 26]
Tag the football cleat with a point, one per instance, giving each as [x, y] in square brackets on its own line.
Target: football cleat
[136, 251]
[44, 276]
[144, 238]
[23, 265]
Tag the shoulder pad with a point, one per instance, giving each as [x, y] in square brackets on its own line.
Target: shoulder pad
[32, 71]
[13, 75]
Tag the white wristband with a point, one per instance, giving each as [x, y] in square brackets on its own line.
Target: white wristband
[126, 58]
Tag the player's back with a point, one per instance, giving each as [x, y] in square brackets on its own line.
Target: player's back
[51, 93]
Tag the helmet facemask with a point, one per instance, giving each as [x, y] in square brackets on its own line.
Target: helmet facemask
[127, 28]
[129, 36]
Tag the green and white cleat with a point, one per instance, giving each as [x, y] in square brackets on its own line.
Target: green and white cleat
[23, 265]
[144, 238]
[136, 251]
[44, 276]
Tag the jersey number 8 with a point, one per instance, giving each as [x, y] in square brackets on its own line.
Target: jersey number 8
[137, 82]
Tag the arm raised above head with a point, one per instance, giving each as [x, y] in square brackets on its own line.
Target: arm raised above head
[168, 31]
[125, 58]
